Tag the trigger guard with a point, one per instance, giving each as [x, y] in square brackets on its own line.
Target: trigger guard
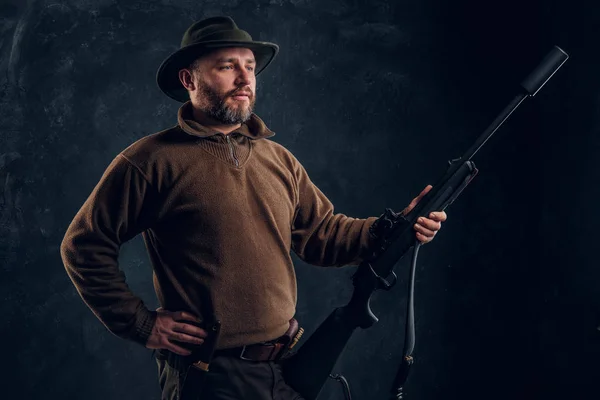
[385, 285]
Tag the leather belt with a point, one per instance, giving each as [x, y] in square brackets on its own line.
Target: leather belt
[266, 351]
[255, 352]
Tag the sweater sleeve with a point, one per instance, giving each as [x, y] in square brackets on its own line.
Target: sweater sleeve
[121, 205]
[321, 237]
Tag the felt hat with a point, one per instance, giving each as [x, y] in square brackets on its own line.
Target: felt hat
[202, 37]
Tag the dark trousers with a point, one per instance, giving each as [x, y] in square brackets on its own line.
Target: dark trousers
[228, 378]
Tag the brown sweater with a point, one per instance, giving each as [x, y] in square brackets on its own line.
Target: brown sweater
[219, 215]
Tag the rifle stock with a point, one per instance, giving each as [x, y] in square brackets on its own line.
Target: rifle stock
[308, 370]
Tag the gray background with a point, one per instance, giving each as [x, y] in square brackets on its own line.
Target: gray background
[373, 98]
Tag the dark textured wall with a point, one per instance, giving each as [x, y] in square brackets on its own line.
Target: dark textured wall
[373, 98]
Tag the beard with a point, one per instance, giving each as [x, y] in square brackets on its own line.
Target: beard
[214, 104]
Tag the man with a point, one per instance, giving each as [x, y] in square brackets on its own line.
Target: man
[219, 207]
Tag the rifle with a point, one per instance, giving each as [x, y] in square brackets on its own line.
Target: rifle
[307, 370]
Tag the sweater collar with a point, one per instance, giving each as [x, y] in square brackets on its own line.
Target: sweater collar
[254, 128]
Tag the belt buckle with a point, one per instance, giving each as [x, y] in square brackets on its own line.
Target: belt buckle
[275, 348]
[242, 354]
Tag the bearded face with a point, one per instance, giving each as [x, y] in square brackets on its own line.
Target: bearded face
[224, 85]
[228, 107]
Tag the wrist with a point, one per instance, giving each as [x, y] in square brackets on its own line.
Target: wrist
[144, 323]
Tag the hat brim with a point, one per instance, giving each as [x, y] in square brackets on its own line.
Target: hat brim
[167, 76]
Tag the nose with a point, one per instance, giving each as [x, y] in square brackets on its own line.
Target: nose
[243, 77]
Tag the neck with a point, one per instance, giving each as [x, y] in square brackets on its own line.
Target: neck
[209, 122]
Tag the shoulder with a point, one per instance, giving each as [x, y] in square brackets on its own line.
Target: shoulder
[277, 150]
[156, 146]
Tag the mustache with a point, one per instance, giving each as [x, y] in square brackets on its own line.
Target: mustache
[241, 89]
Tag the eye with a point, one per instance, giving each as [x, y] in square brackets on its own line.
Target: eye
[250, 68]
[224, 67]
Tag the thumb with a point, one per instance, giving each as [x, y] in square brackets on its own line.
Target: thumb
[424, 192]
[416, 200]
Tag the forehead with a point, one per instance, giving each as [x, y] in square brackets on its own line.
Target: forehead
[228, 53]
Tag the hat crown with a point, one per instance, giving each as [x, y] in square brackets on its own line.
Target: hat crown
[214, 28]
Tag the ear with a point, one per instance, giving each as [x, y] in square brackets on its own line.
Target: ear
[186, 79]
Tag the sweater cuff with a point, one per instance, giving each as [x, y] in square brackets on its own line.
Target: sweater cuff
[144, 322]
[368, 241]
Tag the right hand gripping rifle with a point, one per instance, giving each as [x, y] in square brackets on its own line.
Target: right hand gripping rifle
[308, 370]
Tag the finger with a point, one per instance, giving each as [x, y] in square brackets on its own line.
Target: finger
[416, 200]
[426, 232]
[422, 194]
[185, 338]
[425, 191]
[438, 216]
[429, 224]
[408, 208]
[185, 316]
[190, 330]
[422, 238]
[411, 205]
[176, 349]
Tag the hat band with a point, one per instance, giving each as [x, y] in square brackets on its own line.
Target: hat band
[234, 35]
